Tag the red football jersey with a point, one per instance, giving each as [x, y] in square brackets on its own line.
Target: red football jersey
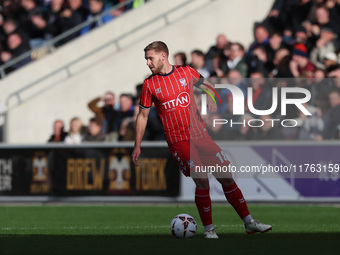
[174, 100]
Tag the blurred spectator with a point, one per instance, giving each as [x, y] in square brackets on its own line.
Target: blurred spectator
[326, 43]
[95, 133]
[53, 14]
[275, 43]
[198, 62]
[281, 61]
[331, 131]
[96, 7]
[300, 66]
[261, 38]
[333, 7]
[72, 16]
[105, 113]
[259, 62]
[33, 22]
[16, 46]
[154, 127]
[288, 13]
[301, 36]
[262, 93]
[322, 18]
[320, 86]
[312, 126]
[79, 7]
[127, 130]
[180, 59]
[126, 109]
[236, 60]
[219, 132]
[234, 78]
[331, 61]
[231, 130]
[75, 135]
[58, 132]
[9, 26]
[245, 132]
[268, 131]
[335, 73]
[139, 89]
[216, 52]
[288, 36]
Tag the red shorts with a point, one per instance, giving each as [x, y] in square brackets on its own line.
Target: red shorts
[191, 153]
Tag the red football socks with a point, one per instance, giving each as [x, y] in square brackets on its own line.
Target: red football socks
[236, 199]
[203, 203]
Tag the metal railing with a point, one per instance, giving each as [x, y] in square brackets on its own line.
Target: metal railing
[66, 67]
[115, 41]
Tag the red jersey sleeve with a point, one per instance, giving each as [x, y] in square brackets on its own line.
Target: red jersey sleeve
[146, 96]
[197, 78]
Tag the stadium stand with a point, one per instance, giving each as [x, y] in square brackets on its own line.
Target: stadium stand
[292, 40]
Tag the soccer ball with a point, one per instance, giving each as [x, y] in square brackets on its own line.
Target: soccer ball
[183, 226]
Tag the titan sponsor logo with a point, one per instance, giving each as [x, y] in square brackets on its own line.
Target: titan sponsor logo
[238, 105]
[182, 100]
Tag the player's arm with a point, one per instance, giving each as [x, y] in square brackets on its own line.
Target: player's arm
[142, 119]
[206, 85]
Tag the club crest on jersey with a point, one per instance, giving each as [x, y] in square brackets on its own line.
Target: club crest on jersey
[183, 82]
[158, 90]
[182, 100]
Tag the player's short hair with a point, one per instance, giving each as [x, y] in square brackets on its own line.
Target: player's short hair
[157, 46]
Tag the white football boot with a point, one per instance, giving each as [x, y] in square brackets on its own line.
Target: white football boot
[257, 226]
[211, 234]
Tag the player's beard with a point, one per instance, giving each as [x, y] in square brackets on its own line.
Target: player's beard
[158, 67]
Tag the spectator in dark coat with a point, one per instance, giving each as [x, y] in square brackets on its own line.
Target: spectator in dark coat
[331, 131]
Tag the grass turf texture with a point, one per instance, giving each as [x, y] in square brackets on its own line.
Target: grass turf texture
[146, 230]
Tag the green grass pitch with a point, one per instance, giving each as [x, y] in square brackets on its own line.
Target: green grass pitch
[139, 229]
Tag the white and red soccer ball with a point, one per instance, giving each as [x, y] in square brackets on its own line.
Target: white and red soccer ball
[183, 226]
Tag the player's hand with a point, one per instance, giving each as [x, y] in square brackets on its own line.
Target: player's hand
[135, 155]
[211, 105]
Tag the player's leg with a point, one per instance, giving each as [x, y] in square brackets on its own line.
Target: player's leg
[211, 154]
[203, 204]
[235, 197]
[186, 158]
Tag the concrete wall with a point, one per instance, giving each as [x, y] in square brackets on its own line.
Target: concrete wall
[66, 93]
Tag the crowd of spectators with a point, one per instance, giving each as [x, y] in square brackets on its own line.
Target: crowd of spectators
[111, 121]
[297, 44]
[298, 39]
[28, 24]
